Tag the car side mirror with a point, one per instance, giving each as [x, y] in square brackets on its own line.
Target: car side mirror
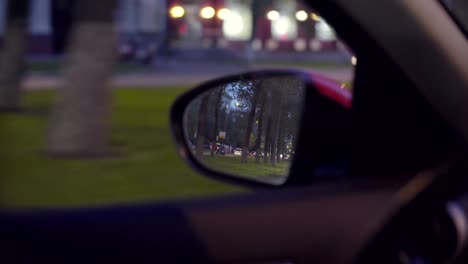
[247, 128]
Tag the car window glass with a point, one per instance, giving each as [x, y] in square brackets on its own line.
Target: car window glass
[89, 125]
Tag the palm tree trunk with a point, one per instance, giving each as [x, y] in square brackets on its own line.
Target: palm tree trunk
[80, 121]
[12, 56]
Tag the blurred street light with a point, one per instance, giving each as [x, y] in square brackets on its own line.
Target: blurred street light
[177, 12]
[223, 13]
[273, 15]
[282, 26]
[301, 15]
[354, 60]
[300, 44]
[315, 17]
[207, 12]
[233, 25]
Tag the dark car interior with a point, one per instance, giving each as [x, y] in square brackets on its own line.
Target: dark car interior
[404, 168]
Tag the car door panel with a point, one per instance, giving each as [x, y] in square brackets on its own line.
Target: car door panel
[295, 230]
[299, 225]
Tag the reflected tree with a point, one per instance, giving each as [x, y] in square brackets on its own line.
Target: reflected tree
[257, 115]
[276, 123]
[261, 112]
[282, 116]
[216, 94]
[256, 87]
[268, 118]
[201, 126]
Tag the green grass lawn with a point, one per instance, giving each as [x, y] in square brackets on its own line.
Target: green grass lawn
[232, 165]
[148, 170]
[56, 66]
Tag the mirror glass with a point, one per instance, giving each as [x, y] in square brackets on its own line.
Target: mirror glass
[247, 127]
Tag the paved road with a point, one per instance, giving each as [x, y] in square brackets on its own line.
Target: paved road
[161, 78]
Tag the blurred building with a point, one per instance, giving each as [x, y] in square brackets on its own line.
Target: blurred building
[40, 28]
[285, 25]
[50, 22]
[180, 24]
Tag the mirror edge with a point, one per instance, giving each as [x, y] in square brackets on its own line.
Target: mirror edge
[177, 116]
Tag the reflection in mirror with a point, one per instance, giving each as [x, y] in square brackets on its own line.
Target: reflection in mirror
[247, 128]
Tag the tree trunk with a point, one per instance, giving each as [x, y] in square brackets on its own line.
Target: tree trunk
[293, 148]
[168, 31]
[201, 130]
[267, 140]
[12, 56]
[216, 120]
[276, 130]
[279, 145]
[258, 142]
[258, 8]
[283, 149]
[79, 125]
[268, 117]
[250, 124]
